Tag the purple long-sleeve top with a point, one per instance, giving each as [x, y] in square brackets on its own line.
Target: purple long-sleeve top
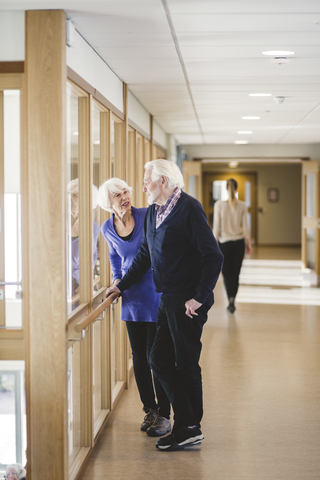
[140, 303]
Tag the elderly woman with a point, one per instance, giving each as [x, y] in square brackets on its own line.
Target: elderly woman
[73, 191]
[123, 232]
[15, 472]
[230, 227]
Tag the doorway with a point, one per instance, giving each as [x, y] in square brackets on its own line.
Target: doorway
[214, 188]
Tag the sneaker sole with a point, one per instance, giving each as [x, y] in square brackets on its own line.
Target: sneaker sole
[157, 433]
[179, 446]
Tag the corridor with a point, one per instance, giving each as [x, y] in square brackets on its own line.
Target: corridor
[261, 376]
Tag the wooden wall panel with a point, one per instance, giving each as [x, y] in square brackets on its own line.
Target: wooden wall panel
[46, 348]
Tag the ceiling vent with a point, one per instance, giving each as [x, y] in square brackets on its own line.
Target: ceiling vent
[279, 99]
[280, 60]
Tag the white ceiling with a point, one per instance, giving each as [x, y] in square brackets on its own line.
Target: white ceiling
[192, 63]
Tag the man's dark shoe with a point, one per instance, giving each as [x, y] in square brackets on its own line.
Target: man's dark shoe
[181, 438]
[148, 419]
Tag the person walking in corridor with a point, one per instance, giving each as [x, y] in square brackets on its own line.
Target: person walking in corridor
[230, 227]
[186, 262]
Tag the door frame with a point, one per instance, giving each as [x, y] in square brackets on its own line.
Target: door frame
[206, 192]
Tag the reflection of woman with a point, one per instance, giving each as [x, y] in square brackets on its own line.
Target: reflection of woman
[73, 190]
[230, 227]
[123, 232]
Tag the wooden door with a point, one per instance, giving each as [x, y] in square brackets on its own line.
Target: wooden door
[246, 193]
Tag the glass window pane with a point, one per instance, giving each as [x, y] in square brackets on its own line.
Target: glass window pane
[12, 209]
[95, 188]
[311, 248]
[311, 195]
[73, 272]
[12, 413]
[192, 185]
[74, 400]
[97, 369]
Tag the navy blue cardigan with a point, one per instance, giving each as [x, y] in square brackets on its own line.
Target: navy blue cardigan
[182, 251]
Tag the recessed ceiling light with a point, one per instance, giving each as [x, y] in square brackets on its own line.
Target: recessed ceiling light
[260, 94]
[97, 142]
[276, 53]
[75, 133]
[245, 132]
[241, 142]
[233, 164]
[250, 118]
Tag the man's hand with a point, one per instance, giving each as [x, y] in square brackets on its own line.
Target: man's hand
[191, 306]
[112, 289]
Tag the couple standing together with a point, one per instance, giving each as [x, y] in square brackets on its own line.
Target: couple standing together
[180, 254]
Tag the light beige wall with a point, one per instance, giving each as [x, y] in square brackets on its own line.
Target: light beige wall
[278, 223]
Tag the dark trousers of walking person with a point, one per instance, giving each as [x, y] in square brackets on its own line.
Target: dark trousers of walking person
[141, 336]
[233, 256]
[175, 358]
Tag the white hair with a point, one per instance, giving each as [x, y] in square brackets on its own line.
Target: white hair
[20, 471]
[110, 187]
[165, 168]
[73, 187]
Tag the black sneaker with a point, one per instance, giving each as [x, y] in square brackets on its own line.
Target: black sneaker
[148, 419]
[183, 437]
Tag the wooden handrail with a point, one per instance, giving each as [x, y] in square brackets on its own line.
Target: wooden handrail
[93, 315]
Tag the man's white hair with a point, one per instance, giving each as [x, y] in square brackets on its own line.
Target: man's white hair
[110, 187]
[165, 168]
[20, 471]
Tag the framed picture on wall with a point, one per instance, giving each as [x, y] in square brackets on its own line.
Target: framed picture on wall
[273, 195]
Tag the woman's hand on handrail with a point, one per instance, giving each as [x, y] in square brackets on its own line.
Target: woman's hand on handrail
[113, 289]
[85, 322]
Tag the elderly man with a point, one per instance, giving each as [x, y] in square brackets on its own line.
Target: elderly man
[186, 262]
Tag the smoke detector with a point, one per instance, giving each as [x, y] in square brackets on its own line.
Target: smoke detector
[279, 60]
[279, 99]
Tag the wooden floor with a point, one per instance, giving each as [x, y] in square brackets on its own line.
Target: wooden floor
[261, 377]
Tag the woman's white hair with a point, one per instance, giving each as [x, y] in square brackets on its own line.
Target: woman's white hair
[110, 187]
[165, 168]
[73, 187]
[20, 471]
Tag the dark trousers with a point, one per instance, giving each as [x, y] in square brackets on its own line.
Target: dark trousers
[175, 358]
[141, 336]
[233, 256]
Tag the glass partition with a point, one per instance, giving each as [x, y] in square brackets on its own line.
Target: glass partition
[73, 254]
[74, 400]
[95, 188]
[12, 414]
[10, 216]
[311, 195]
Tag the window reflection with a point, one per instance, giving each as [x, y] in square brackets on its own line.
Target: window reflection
[96, 184]
[73, 198]
[10, 270]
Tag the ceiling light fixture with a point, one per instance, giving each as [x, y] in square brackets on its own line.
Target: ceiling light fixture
[278, 53]
[233, 164]
[250, 118]
[75, 133]
[96, 142]
[260, 94]
[240, 142]
[245, 132]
